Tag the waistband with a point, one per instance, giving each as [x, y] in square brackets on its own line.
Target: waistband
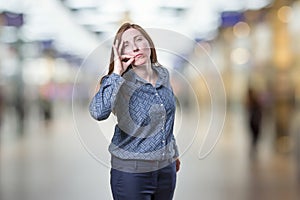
[139, 166]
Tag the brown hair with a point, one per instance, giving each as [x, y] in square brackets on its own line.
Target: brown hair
[122, 29]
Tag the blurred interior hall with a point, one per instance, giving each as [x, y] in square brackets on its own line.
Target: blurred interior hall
[234, 67]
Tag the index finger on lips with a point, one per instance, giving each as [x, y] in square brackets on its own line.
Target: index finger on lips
[127, 58]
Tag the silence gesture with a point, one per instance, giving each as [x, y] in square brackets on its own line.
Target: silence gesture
[121, 61]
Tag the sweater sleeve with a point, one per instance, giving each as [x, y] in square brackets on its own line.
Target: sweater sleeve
[102, 103]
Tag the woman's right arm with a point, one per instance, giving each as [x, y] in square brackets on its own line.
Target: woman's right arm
[103, 102]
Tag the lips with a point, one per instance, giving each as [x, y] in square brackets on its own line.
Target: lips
[138, 55]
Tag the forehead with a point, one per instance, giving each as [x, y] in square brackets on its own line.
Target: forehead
[130, 34]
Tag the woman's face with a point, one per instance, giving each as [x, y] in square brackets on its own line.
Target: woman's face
[136, 45]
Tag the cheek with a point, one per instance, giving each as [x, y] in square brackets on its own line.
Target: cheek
[126, 50]
[146, 48]
[148, 52]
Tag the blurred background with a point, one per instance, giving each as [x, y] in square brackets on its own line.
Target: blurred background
[51, 149]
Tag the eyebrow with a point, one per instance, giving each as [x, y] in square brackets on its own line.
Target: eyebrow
[137, 36]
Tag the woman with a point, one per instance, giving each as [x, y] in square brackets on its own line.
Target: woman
[144, 155]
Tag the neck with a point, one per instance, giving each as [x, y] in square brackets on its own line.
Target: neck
[144, 71]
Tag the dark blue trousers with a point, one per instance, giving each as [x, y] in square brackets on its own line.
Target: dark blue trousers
[153, 185]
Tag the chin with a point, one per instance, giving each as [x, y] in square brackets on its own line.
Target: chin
[139, 62]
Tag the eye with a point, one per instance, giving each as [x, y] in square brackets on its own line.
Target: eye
[125, 46]
[139, 39]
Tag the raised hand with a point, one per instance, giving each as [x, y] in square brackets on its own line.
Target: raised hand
[121, 62]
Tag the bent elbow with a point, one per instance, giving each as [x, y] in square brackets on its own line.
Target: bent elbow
[102, 117]
[99, 115]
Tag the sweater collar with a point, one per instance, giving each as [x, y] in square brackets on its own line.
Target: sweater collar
[131, 76]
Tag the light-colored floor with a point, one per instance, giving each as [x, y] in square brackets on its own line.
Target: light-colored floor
[68, 159]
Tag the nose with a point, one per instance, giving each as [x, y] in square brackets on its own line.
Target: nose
[135, 48]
